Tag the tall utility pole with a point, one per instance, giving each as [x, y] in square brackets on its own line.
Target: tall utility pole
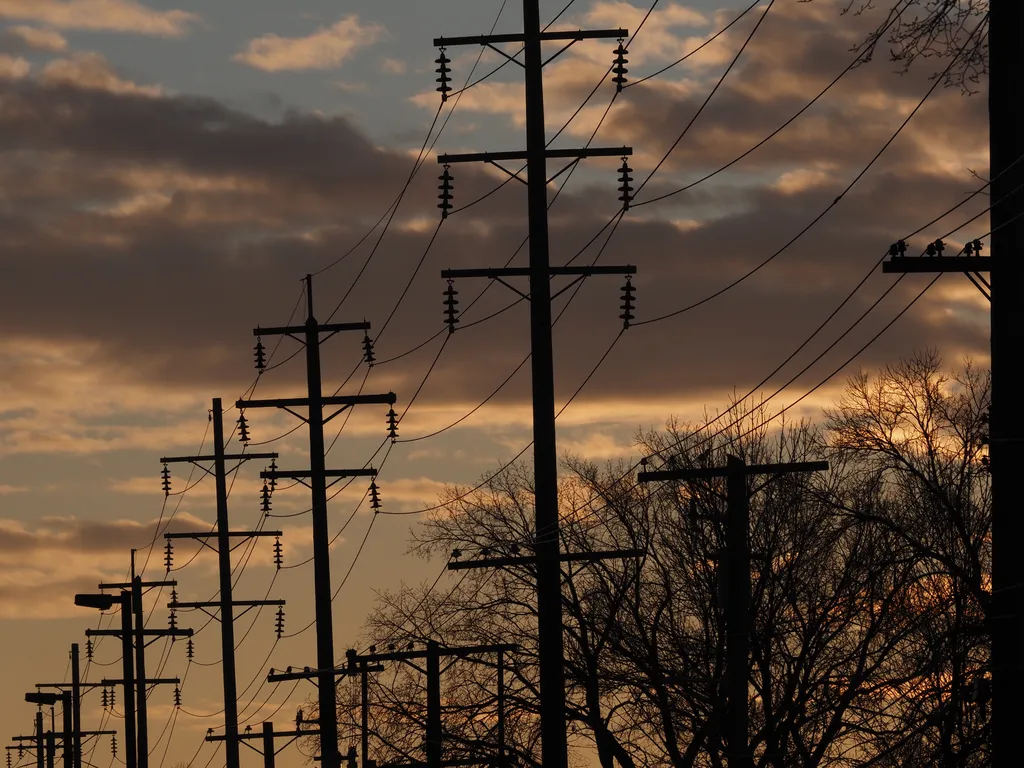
[1005, 614]
[554, 743]
[314, 402]
[737, 597]
[224, 536]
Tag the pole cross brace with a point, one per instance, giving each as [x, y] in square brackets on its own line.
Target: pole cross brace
[593, 34]
[461, 652]
[229, 457]
[308, 674]
[214, 534]
[148, 681]
[498, 274]
[254, 735]
[928, 264]
[142, 584]
[146, 632]
[570, 557]
[217, 604]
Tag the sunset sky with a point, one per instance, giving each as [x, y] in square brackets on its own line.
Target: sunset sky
[171, 169]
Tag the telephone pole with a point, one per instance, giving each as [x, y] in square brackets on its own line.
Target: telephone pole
[316, 479]
[737, 597]
[224, 536]
[1005, 613]
[136, 631]
[268, 736]
[554, 743]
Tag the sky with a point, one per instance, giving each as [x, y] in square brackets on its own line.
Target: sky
[169, 172]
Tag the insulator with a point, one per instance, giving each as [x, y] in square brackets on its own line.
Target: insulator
[450, 302]
[374, 496]
[243, 428]
[446, 192]
[368, 349]
[111, 697]
[977, 246]
[172, 619]
[21, 751]
[273, 480]
[968, 248]
[265, 498]
[174, 594]
[165, 474]
[619, 67]
[261, 356]
[625, 188]
[279, 622]
[8, 759]
[113, 744]
[177, 696]
[278, 553]
[443, 61]
[168, 555]
[901, 247]
[939, 247]
[88, 649]
[190, 649]
[456, 554]
[894, 250]
[103, 698]
[392, 424]
[627, 303]
[514, 549]
[248, 729]
[930, 250]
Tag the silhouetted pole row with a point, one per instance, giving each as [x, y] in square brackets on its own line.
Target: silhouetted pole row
[316, 478]
[737, 592]
[224, 536]
[554, 740]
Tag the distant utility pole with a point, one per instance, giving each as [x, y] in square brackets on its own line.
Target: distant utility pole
[432, 655]
[314, 402]
[1006, 296]
[268, 736]
[554, 741]
[224, 536]
[139, 633]
[737, 597]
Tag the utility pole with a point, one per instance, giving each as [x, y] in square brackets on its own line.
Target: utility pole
[554, 740]
[432, 655]
[314, 402]
[76, 710]
[1005, 614]
[268, 736]
[135, 631]
[737, 597]
[224, 536]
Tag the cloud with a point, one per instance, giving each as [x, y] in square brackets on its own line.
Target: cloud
[6, 490]
[101, 15]
[13, 67]
[33, 38]
[326, 48]
[391, 66]
[92, 71]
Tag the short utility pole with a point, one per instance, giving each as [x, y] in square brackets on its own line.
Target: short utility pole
[309, 334]
[737, 598]
[136, 630]
[223, 547]
[431, 655]
[554, 740]
[268, 736]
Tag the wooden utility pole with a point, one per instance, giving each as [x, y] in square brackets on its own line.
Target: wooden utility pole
[554, 740]
[737, 598]
[316, 479]
[223, 536]
[1005, 614]
[268, 736]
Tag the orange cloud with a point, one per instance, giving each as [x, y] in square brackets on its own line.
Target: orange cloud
[326, 48]
[108, 15]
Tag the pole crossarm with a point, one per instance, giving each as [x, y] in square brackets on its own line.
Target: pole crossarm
[461, 652]
[525, 271]
[749, 469]
[214, 534]
[568, 557]
[303, 474]
[143, 584]
[217, 603]
[254, 735]
[288, 330]
[230, 457]
[591, 34]
[146, 632]
[931, 264]
[308, 674]
[147, 681]
[303, 402]
[551, 154]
